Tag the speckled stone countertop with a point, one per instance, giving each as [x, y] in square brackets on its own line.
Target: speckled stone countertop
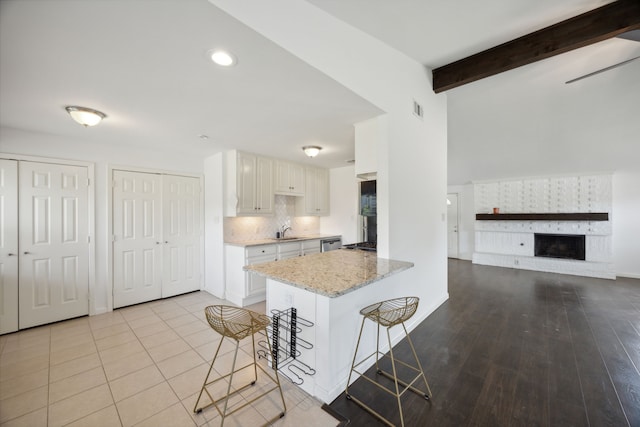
[332, 273]
[245, 243]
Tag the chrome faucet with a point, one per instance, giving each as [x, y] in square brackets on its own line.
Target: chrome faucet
[284, 230]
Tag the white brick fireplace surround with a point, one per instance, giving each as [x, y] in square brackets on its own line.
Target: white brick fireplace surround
[506, 239]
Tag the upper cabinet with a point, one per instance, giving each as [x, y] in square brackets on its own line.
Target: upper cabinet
[289, 178]
[249, 184]
[316, 196]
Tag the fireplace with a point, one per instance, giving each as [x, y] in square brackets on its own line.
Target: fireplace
[567, 246]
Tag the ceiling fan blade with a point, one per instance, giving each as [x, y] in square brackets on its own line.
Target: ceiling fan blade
[630, 35]
[602, 70]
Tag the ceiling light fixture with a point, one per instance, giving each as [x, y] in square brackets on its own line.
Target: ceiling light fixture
[223, 58]
[85, 116]
[311, 150]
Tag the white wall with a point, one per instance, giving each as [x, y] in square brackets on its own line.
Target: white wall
[214, 262]
[626, 226]
[411, 217]
[45, 145]
[466, 218]
[343, 202]
[525, 126]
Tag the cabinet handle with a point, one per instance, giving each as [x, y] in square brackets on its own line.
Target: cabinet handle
[27, 253]
[11, 254]
[157, 243]
[166, 241]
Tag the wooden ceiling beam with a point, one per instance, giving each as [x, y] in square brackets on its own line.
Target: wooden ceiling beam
[590, 27]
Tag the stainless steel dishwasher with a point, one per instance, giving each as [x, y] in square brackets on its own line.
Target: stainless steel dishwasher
[331, 244]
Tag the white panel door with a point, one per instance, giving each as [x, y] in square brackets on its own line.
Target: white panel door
[181, 225]
[452, 225]
[8, 246]
[54, 247]
[137, 233]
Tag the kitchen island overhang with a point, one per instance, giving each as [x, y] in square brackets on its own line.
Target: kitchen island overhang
[329, 289]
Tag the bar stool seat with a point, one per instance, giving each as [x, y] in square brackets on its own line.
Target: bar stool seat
[389, 313]
[237, 323]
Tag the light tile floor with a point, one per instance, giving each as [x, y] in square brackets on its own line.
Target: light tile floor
[136, 366]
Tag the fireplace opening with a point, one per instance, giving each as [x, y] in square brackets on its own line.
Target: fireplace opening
[567, 246]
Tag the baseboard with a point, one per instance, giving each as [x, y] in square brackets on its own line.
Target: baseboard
[628, 275]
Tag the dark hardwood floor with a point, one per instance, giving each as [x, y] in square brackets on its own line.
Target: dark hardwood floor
[520, 348]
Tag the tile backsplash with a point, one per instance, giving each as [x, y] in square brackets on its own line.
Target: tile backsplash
[261, 227]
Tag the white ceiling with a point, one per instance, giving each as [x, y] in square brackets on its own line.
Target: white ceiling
[437, 32]
[143, 63]
[527, 121]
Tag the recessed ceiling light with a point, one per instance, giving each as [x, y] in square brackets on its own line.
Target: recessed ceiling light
[203, 137]
[223, 58]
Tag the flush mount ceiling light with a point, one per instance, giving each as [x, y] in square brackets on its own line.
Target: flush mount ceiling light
[223, 58]
[85, 116]
[311, 150]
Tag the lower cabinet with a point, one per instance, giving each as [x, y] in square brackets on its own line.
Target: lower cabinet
[311, 247]
[244, 288]
[289, 250]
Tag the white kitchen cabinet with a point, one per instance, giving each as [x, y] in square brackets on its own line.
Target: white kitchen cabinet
[243, 288]
[316, 196]
[289, 178]
[256, 285]
[289, 250]
[249, 189]
[311, 247]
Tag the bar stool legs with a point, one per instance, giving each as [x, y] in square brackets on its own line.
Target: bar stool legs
[236, 323]
[388, 314]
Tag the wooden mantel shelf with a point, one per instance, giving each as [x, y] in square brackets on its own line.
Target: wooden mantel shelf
[581, 216]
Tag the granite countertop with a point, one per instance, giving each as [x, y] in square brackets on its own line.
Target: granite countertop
[273, 241]
[332, 273]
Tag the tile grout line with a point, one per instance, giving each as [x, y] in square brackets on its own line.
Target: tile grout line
[105, 377]
[146, 350]
[86, 327]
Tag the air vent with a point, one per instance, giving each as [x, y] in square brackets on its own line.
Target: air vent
[417, 109]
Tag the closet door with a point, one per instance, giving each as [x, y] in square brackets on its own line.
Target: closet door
[54, 246]
[181, 225]
[8, 246]
[137, 233]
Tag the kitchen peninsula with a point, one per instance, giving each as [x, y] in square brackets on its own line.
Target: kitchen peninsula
[329, 289]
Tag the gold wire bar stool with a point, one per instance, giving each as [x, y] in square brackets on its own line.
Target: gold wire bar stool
[237, 324]
[388, 314]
